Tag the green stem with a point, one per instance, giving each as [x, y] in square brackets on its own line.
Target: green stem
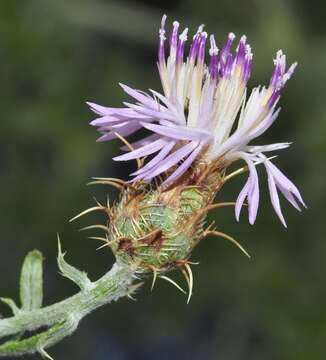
[62, 318]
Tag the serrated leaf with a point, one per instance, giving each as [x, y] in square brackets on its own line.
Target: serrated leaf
[31, 281]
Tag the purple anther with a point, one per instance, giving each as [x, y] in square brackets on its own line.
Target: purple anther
[202, 48]
[195, 44]
[181, 45]
[241, 51]
[226, 48]
[274, 98]
[161, 51]
[213, 52]
[174, 38]
[247, 67]
[229, 65]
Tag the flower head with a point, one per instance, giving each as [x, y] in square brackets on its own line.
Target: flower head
[204, 115]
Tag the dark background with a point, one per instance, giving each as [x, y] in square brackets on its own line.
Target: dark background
[55, 55]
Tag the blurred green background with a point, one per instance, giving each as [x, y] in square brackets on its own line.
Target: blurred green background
[54, 56]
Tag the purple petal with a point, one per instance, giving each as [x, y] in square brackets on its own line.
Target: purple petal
[172, 160]
[184, 166]
[106, 137]
[290, 198]
[105, 120]
[142, 142]
[284, 182]
[101, 110]
[163, 113]
[126, 113]
[180, 133]
[109, 114]
[253, 194]
[274, 197]
[241, 198]
[115, 119]
[123, 130]
[136, 94]
[264, 125]
[176, 110]
[249, 191]
[159, 157]
[142, 151]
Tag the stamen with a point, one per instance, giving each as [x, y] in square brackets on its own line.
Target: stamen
[195, 43]
[182, 40]
[202, 47]
[213, 52]
[161, 51]
[274, 98]
[229, 65]
[213, 49]
[174, 40]
[226, 58]
[241, 52]
[289, 73]
[227, 47]
[184, 35]
[279, 69]
[248, 64]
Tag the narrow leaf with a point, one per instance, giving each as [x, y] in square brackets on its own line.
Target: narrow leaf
[31, 281]
[78, 277]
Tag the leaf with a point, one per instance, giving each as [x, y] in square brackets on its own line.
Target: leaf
[14, 308]
[78, 277]
[31, 281]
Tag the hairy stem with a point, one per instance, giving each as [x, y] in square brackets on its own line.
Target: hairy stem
[62, 318]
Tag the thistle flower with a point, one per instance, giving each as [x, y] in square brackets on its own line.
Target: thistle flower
[201, 124]
[204, 116]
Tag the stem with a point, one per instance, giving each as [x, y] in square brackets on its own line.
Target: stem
[61, 319]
